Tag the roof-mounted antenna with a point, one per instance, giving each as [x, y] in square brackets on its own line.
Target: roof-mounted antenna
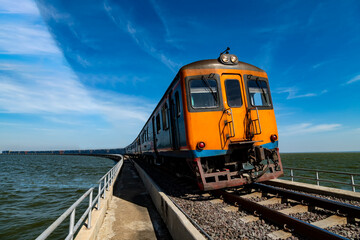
[226, 51]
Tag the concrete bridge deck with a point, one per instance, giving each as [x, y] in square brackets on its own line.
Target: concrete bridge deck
[131, 213]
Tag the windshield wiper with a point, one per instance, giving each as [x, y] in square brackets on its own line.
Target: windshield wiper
[209, 87]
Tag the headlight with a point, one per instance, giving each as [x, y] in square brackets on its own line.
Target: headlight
[225, 58]
[233, 59]
[228, 59]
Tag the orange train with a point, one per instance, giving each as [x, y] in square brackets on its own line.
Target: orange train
[217, 119]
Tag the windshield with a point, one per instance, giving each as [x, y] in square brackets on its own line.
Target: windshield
[204, 93]
[259, 93]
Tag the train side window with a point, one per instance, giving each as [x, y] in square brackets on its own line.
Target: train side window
[204, 93]
[233, 93]
[158, 123]
[164, 116]
[259, 93]
[177, 102]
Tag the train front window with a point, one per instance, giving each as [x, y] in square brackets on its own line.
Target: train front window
[233, 93]
[204, 93]
[259, 93]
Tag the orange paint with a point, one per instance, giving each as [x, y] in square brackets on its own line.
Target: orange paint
[209, 126]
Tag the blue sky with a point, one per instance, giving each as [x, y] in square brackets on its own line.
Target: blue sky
[86, 74]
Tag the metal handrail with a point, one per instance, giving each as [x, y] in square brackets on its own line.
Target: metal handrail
[232, 134]
[258, 119]
[336, 172]
[318, 180]
[104, 184]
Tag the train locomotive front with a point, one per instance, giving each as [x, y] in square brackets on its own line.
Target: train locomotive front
[217, 118]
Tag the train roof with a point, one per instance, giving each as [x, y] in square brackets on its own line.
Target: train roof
[216, 64]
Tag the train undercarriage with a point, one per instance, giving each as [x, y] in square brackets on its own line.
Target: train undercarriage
[242, 165]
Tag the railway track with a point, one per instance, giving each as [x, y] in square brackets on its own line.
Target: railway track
[260, 211]
[342, 213]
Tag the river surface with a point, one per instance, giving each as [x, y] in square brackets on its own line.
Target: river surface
[36, 190]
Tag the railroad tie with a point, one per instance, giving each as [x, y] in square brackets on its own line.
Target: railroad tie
[252, 195]
[273, 200]
[281, 234]
[249, 219]
[330, 221]
[231, 209]
[296, 209]
[207, 195]
[216, 200]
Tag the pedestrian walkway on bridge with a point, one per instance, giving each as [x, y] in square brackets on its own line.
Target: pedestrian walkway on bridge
[131, 214]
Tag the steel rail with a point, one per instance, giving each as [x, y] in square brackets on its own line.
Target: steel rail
[300, 227]
[338, 207]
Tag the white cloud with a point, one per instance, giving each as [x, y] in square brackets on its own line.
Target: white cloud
[43, 85]
[41, 96]
[82, 61]
[41, 91]
[354, 79]
[18, 7]
[139, 36]
[293, 93]
[318, 65]
[50, 86]
[26, 39]
[324, 91]
[161, 13]
[304, 128]
[11, 124]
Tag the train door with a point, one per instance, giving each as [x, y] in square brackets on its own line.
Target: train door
[235, 120]
[174, 116]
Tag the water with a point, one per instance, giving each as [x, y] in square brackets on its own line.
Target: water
[36, 190]
[342, 162]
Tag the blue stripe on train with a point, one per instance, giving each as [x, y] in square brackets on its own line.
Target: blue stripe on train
[271, 145]
[209, 153]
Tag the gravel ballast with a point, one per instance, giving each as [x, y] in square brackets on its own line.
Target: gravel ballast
[213, 216]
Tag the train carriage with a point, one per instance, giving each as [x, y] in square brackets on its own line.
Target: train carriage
[217, 118]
